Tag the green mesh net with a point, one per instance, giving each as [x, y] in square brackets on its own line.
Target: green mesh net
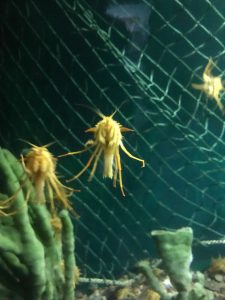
[63, 60]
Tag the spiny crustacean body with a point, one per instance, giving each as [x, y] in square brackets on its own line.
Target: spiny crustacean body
[107, 141]
[108, 133]
[40, 166]
[212, 86]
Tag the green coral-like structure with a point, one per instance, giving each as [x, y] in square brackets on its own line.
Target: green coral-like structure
[37, 262]
[175, 250]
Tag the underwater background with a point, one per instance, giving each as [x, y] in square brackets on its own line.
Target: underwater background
[61, 61]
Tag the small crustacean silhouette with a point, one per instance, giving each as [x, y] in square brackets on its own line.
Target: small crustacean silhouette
[107, 141]
[212, 86]
[135, 17]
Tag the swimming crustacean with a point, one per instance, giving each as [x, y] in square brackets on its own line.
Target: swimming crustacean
[107, 141]
[40, 166]
[212, 85]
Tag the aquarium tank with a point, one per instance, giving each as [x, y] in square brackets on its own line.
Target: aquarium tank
[128, 96]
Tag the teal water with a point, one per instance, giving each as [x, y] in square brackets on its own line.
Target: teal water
[56, 68]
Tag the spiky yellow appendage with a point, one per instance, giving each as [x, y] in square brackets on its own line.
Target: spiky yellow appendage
[107, 141]
[212, 86]
[40, 166]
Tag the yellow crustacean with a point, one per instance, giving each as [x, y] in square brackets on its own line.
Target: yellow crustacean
[107, 141]
[212, 86]
[40, 166]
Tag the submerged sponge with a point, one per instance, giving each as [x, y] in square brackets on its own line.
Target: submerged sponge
[32, 253]
[175, 249]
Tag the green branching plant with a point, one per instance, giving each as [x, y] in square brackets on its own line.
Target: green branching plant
[36, 262]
